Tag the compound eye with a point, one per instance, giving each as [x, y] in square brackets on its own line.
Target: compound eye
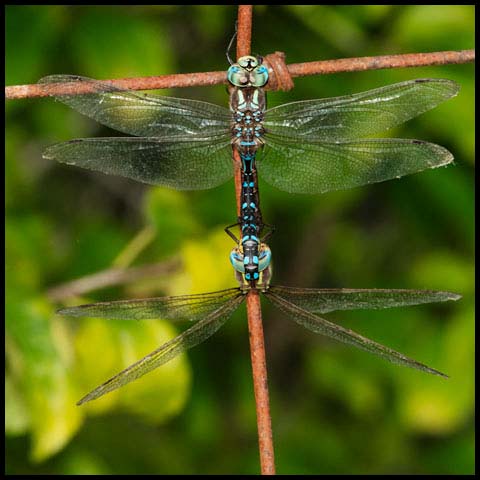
[237, 260]
[237, 76]
[259, 77]
[264, 257]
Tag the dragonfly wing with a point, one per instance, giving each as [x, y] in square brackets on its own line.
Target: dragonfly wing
[190, 338]
[320, 325]
[140, 114]
[323, 300]
[184, 164]
[321, 167]
[361, 114]
[178, 308]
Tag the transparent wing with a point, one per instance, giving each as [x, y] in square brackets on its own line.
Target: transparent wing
[202, 330]
[141, 114]
[179, 308]
[361, 114]
[181, 163]
[320, 325]
[296, 167]
[323, 300]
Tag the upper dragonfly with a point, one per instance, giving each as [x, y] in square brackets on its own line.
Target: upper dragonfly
[311, 146]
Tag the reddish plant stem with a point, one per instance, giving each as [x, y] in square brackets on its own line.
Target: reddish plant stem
[244, 30]
[254, 311]
[137, 83]
[323, 67]
[376, 63]
[260, 383]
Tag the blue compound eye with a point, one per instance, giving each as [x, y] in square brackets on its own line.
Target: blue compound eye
[236, 259]
[265, 257]
[259, 76]
[237, 76]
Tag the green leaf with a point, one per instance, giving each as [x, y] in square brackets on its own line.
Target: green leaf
[105, 347]
[17, 418]
[206, 265]
[38, 363]
[28, 251]
[171, 215]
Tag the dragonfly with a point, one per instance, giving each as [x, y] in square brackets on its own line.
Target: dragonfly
[310, 146]
[210, 311]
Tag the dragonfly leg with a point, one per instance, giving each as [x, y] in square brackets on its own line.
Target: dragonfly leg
[271, 230]
[230, 234]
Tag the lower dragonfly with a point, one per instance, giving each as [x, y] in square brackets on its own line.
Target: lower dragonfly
[210, 311]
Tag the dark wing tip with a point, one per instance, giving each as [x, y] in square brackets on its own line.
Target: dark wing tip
[443, 156]
[437, 372]
[450, 86]
[83, 400]
[93, 395]
[64, 78]
[446, 296]
[51, 152]
[452, 296]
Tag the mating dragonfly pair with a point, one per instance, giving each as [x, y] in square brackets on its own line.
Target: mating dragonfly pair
[311, 146]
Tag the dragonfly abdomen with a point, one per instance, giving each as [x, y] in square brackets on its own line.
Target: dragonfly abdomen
[250, 257]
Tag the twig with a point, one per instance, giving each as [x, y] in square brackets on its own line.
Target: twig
[254, 312]
[180, 80]
[135, 247]
[112, 276]
[244, 30]
[377, 63]
[260, 383]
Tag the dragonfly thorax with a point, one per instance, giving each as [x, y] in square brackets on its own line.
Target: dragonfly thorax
[247, 106]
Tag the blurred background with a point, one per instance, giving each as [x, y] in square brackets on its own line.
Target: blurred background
[334, 409]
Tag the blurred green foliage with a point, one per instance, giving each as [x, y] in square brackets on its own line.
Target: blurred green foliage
[335, 409]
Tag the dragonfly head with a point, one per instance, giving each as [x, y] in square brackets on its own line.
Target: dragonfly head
[250, 264]
[248, 72]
